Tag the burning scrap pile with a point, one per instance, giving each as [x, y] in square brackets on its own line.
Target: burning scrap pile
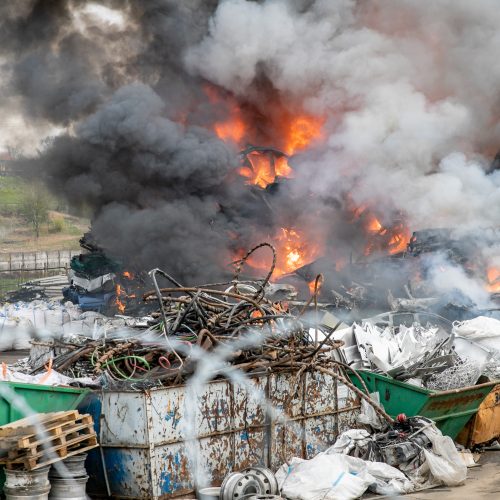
[240, 321]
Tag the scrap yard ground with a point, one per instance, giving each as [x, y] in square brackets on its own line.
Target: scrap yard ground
[483, 483]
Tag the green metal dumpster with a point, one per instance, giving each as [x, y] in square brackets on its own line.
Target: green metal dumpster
[39, 398]
[451, 410]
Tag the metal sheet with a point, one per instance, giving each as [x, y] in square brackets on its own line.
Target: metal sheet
[123, 419]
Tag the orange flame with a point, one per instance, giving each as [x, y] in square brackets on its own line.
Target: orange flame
[298, 134]
[399, 242]
[293, 250]
[262, 172]
[265, 167]
[493, 277]
[128, 275]
[119, 304]
[302, 131]
[374, 225]
[391, 239]
[233, 129]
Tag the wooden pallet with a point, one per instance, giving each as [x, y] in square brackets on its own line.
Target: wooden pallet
[64, 434]
[34, 464]
[29, 425]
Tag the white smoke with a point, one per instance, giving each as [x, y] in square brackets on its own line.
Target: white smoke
[409, 92]
[450, 280]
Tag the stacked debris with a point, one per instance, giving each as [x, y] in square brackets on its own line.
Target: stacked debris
[484, 331]
[406, 281]
[92, 276]
[427, 355]
[254, 334]
[43, 439]
[409, 455]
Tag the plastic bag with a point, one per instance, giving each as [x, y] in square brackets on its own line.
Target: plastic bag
[444, 460]
[328, 477]
[347, 441]
[368, 415]
[389, 480]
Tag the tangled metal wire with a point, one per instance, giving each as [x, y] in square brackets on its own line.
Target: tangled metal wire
[233, 320]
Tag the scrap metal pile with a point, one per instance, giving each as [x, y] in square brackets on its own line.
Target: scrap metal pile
[237, 321]
[430, 356]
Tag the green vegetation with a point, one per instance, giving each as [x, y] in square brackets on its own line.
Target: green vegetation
[33, 219]
[57, 224]
[35, 206]
[8, 284]
[11, 193]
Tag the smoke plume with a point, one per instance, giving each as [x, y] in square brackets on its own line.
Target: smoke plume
[407, 94]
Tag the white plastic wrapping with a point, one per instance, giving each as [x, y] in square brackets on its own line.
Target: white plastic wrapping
[47, 377]
[444, 462]
[328, 477]
[23, 321]
[368, 416]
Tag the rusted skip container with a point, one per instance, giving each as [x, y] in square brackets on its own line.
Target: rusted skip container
[485, 426]
[143, 453]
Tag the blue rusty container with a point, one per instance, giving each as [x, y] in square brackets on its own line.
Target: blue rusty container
[142, 450]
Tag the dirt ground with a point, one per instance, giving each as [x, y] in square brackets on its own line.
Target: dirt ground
[483, 482]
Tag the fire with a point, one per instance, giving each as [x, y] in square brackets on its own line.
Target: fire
[315, 288]
[493, 277]
[391, 239]
[293, 250]
[399, 242]
[264, 166]
[281, 167]
[128, 275]
[302, 131]
[231, 129]
[119, 304]
[374, 226]
[262, 170]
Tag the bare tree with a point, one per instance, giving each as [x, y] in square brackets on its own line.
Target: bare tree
[35, 206]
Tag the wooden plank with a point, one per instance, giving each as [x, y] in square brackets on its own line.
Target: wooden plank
[30, 424]
[61, 449]
[58, 434]
[27, 444]
[55, 430]
[11, 466]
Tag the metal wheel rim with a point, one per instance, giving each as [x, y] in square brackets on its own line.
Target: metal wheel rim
[228, 484]
[249, 482]
[237, 485]
[266, 477]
